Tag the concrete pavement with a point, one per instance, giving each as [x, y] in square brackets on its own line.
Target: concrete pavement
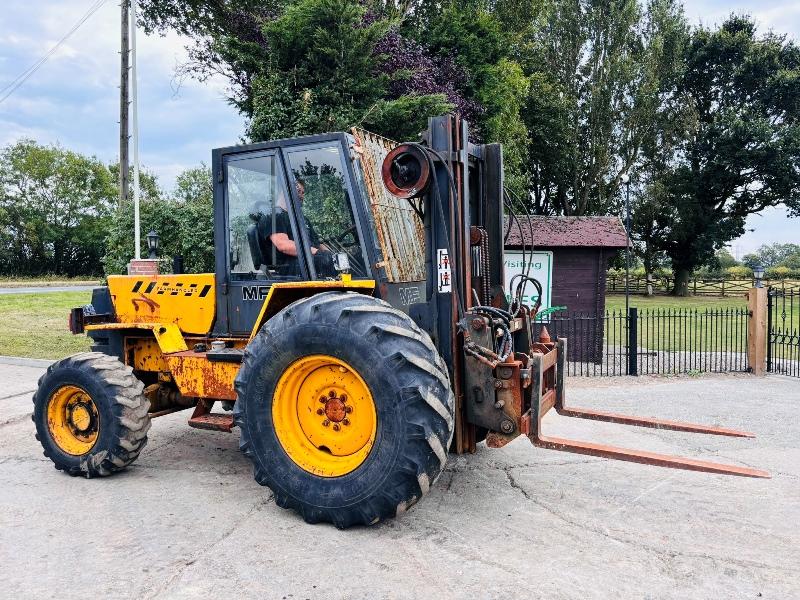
[188, 521]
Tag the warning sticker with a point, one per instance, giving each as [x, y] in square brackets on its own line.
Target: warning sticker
[443, 268]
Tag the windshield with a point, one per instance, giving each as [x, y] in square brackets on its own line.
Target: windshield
[327, 215]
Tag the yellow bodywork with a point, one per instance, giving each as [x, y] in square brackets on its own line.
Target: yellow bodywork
[283, 294]
[186, 301]
[198, 377]
[173, 312]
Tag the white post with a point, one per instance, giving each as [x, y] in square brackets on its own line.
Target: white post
[135, 133]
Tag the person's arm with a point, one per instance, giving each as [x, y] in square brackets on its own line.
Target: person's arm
[285, 245]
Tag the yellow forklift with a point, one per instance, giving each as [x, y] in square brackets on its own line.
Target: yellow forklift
[357, 329]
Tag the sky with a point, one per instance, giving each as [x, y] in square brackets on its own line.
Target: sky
[73, 99]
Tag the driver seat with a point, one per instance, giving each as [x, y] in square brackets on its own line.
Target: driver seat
[255, 246]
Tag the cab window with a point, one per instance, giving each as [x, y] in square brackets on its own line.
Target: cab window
[258, 208]
[319, 181]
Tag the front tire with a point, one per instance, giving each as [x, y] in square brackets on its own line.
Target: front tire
[91, 415]
[345, 409]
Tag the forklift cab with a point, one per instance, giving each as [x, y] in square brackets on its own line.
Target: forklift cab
[288, 210]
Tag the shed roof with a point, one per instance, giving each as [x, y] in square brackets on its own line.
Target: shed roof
[559, 232]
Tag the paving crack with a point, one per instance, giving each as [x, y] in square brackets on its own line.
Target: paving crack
[663, 554]
[17, 394]
[185, 564]
[17, 419]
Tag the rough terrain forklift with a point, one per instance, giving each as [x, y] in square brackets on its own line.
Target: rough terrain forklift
[357, 329]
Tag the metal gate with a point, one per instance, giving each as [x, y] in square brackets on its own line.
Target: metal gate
[783, 331]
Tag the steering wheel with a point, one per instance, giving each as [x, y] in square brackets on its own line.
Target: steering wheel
[339, 243]
[339, 240]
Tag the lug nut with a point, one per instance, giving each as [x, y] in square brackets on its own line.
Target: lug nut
[332, 394]
[322, 399]
[336, 427]
[346, 421]
[325, 423]
[348, 409]
[320, 411]
[507, 426]
[343, 398]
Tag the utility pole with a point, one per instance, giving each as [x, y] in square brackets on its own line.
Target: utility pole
[124, 161]
[135, 115]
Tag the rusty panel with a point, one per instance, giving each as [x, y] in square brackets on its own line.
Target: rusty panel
[400, 231]
[198, 377]
[147, 355]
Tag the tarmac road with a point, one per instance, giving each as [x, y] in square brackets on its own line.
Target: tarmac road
[188, 521]
[46, 289]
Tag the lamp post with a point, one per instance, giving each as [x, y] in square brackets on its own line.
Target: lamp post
[758, 275]
[152, 244]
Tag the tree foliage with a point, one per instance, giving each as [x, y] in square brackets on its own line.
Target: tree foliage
[774, 255]
[183, 221]
[55, 206]
[737, 150]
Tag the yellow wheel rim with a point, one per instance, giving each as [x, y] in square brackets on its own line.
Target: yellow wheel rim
[324, 415]
[73, 420]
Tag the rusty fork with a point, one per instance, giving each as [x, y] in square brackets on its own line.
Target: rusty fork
[547, 381]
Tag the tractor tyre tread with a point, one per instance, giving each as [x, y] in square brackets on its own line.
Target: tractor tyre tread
[403, 357]
[119, 398]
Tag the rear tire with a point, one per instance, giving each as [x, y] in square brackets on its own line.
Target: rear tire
[91, 415]
[405, 378]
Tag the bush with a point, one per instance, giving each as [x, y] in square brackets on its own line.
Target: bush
[739, 272]
[778, 273]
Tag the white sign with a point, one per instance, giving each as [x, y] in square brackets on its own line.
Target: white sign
[445, 283]
[541, 269]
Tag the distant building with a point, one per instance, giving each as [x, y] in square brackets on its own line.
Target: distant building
[580, 248]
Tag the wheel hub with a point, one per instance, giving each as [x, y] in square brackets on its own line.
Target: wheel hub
[73, 420]
[313, 408]
[80, 417]
[336, 409]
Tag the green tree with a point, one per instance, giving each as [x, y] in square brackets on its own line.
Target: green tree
[55, 206]
[739, 151]
[486, 51]
[298, 68]
[771, 255]
[585, 115]
[193, 195]
[183, 220]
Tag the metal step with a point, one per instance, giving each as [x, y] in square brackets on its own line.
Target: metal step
[212, 421]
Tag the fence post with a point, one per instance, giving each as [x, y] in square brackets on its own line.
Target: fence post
[633, 341]
[770, 297]
[757, 330]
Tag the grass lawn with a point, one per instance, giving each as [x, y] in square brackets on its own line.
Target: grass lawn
[617, 302]
[35, 325]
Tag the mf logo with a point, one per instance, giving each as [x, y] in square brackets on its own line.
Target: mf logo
[409, 295]
[254, 292]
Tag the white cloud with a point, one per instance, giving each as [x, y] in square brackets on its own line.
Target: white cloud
[74, 97]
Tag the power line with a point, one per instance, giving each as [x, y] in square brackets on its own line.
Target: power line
[15, 84]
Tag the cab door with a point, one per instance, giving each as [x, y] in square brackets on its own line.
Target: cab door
[257, 204]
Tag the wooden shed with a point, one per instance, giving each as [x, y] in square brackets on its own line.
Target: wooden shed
[581, 248]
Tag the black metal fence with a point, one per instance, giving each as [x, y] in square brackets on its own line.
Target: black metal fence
[660, 341]
[783, 331]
